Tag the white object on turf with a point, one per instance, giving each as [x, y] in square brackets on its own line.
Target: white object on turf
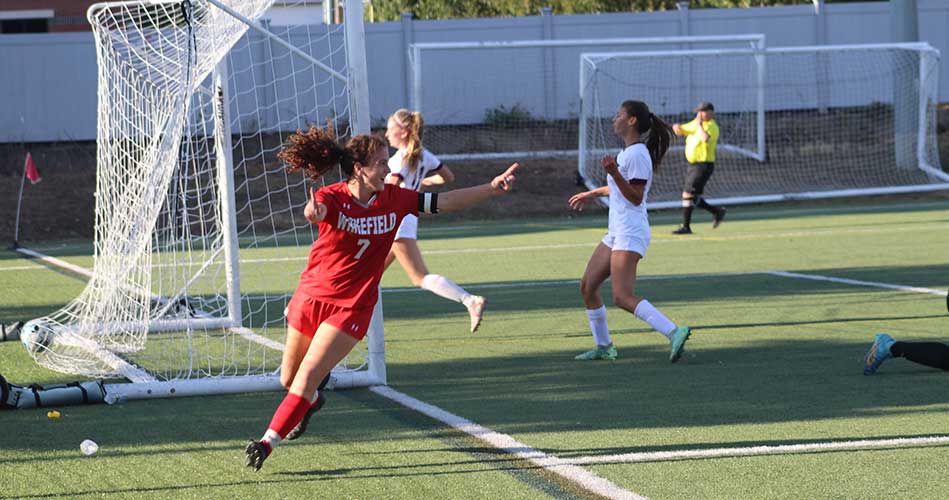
[35, 338]
[88, 447]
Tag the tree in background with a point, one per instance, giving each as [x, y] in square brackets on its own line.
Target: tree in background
[390, 10]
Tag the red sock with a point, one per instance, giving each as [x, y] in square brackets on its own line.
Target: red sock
[289, 414]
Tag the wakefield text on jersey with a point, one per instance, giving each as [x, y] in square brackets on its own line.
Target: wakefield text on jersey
[376, 224]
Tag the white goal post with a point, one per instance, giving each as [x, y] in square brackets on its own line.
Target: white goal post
[796, 122]
[199, 237]
[516, 99]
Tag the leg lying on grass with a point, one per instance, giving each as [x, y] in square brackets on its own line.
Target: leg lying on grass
[934, 354]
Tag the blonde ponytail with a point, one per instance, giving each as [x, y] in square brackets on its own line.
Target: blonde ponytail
[412, 122]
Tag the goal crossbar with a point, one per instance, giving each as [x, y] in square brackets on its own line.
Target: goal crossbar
[757, 40]
[545, 85]
[922, 78]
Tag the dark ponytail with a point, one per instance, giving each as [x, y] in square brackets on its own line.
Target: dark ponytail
[315, 152]
[656, 134]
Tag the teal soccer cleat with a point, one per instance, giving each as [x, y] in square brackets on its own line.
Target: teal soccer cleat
[601, 352]
[879, 352]
[678, 338]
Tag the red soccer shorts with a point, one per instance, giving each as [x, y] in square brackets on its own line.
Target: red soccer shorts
[305, 314]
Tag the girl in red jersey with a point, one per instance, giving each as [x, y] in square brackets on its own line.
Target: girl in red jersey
[414, 167]
[330, 311]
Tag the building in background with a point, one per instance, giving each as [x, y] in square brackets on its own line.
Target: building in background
[43, 16]
[52, 16]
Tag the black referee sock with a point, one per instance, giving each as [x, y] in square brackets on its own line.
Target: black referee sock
[703, 205]
[932, 354]
[687, 215]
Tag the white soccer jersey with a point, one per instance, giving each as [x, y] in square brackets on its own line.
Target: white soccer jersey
[427, 164]
[625, 218]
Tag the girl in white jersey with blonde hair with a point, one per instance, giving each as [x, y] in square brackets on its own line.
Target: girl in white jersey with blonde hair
[414, 167]
[629, 176]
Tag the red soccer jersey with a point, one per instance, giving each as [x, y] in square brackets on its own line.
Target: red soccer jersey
[348, 258]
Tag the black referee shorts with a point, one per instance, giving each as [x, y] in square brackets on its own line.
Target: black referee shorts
[697, 176]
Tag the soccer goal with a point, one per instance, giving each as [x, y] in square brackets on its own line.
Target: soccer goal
[795, 122]
[517, 99]
[199, 237]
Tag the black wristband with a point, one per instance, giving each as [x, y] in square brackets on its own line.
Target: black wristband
[428, 203]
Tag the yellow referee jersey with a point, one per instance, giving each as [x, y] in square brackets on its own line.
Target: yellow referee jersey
[697, 150]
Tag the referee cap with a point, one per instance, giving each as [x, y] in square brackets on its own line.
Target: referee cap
[705, 106]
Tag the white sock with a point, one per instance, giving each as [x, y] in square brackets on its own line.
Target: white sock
[444, 287]
[272, 438]
[658, 321]
[601, 331]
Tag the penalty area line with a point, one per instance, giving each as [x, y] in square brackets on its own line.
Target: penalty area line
[659, 456]
[847, 281]
[586, 479]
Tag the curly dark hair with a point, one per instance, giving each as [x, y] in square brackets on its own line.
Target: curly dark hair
[315, 152]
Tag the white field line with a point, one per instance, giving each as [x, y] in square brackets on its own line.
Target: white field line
[846, 281]
[785, 274]
[521, 284]
[586, 479]
[661, 239]
[528, 284]
[657, 456]
[826, 232]
[21, 268]
[670, 239]
[528, 248]
[56, 262]
[253, 336]
[672, 216]
[856, 209]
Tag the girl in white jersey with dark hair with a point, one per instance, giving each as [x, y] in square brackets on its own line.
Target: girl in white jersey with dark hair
[629, 176]
[414, 167]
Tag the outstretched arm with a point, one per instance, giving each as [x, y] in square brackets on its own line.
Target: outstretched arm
[579, 200]
[463, 198]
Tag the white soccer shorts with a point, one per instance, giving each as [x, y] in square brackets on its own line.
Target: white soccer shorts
[636, 242]
[408, 230]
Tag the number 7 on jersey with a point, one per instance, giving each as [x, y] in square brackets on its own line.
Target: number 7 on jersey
[363, 245]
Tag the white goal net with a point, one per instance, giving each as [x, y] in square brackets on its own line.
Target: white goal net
[200, 238]
[836, 120]
[517, 98]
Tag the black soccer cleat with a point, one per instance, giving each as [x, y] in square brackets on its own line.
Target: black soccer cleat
[257, 452]
[301, 427]
[718, 217]
[683, 230]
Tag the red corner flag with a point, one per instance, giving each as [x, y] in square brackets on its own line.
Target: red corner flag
[31, 172]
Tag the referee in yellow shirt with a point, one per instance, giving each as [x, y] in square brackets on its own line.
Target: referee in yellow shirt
[701, 136]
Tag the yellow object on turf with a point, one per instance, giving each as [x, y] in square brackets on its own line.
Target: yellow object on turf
[53, 414]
